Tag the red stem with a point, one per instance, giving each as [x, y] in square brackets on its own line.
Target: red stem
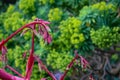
[32, 49]
[33, 35]
[14, 71]
[31, 59]
[68, 67]
[44, 67]
[52, 76]
[20, 29]
[4, 75]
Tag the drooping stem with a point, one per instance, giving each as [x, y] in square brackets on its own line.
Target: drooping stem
[7, 66]
[52, 76]
[20, 29]
[31, 59]
[68, 67]
[44, 68]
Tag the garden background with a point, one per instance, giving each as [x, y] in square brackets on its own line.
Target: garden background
[92, 27]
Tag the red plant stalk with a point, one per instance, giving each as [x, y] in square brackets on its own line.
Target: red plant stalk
[68, 67]
[6, 76]
[30, 61]
[12, 69]
[44, 67]
[16, 32]
[84, 65]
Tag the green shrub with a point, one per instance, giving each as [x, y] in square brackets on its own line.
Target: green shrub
[105, 37]
[58, 61]
[55, 14]
[27, 6]
[71, 35]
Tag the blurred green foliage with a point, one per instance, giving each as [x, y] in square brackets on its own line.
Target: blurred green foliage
[55, 14]
[71, 35]
[27, 6]
[58, 61]
[75, 25]
[105, 37]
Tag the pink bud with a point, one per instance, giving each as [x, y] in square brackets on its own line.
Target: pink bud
[49, 40]
[4, 50]
[24, 54]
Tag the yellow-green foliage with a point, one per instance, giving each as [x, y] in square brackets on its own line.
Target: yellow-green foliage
[1, 35]
[36, 73]
[7, 14]
[27, 35]
[103, 6]
[105, 37]
[42, 44]
[55, 14]
[90, 14]
[13, 55]
[27, 5]
[14, 21]
[0, 63]
[71, 32]
[47, 1]
[19, 63]
[76, 39]
[10, 9]
[58, 60]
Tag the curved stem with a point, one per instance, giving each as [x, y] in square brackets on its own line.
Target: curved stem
[44, 67]
[68, 67]
[14, 71]
[20, 29]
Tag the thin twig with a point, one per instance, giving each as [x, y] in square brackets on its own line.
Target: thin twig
[68, 67]
[87, 75]
[44, 67]
[12, 69]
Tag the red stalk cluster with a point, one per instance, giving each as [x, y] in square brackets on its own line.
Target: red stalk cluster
[43, 31]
